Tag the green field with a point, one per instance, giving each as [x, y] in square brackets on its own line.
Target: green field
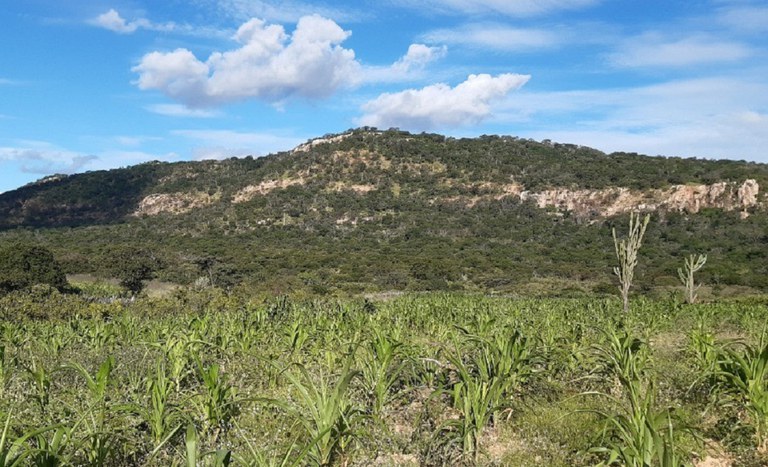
[206, 378]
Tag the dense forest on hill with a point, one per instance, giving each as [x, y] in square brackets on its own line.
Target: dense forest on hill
[372, 210]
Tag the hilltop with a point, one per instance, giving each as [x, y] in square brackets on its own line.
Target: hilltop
[370, 210]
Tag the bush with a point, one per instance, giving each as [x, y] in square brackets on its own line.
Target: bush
[24, 265]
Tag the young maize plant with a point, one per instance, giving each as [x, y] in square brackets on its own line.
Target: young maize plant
[637, 433]
[476, 399]
[381, 370]
[217, 403]
[326, 413]
[744, 380]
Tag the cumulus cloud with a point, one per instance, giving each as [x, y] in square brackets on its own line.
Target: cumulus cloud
[655, 50]
[439, 105]
[504, 7]
[269, 65]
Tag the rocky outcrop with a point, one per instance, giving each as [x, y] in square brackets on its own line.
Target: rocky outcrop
[252, 191]
[618, 200]
[680, 198]
[174, 203]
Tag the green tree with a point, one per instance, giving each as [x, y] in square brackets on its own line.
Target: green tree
[25, 265]
[132, 266]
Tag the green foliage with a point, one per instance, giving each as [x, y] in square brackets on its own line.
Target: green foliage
[132, 266]
[24, 265]
[432, 214]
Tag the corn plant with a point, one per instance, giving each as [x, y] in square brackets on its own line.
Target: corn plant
[159, 414]
[219, 458]
[381, 369]
[52, 451]
[703, 348]
[41, 383]
[326, 413]
[13, 453]
[623, 356]
[639, 434]
[7, 365]
[476, 398]
[293, 456]
[217, 401]
[744, 379]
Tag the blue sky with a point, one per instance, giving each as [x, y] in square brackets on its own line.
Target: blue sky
[88, 85]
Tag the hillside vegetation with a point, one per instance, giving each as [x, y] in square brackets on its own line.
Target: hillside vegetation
[369, 211]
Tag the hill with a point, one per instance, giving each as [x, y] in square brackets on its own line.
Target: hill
[371, 210]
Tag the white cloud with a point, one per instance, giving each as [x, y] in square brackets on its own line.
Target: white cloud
[112, 21]
[655, 50]
[221, 144]
[283, 10]
[408, 67]
[504, 7]
[496, 36]
[176, 110]
[725, 117]
[439, 105]
[44, 158]
[269, 65]
[745, 18]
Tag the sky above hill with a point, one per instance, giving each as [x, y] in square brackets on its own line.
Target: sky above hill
[95, 84]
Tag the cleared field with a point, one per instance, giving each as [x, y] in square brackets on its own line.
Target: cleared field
[204, 378]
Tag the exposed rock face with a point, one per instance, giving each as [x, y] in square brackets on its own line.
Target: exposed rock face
[613, 201]
[174, 203]
[251, 191]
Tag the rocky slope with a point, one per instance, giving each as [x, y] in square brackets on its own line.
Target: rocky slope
[408, 211]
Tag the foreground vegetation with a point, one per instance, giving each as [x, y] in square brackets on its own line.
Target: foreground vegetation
[209, 378]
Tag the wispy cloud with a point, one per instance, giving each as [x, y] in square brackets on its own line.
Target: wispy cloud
[113, 21]
[284, 11]
[439, 105]
[707, 117]
[410, 66]
[745, 17]
[221, 144]
[176, 110]
[656, 50]
[518, 8]
[44, 158]
[495, 36]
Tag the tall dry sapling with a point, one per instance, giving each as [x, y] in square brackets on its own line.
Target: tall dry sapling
[692, 265]
[626, 253]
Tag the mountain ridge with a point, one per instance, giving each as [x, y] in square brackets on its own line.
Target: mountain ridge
[369, 209]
